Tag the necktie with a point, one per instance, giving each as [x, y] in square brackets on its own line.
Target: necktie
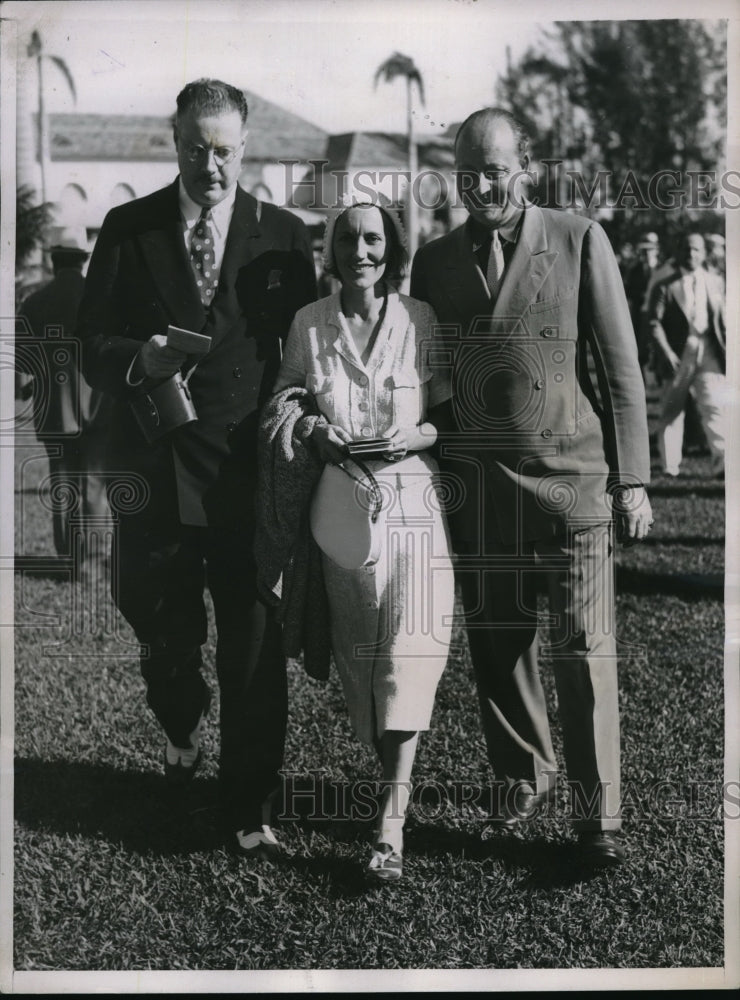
[203, 257]
[495, 269]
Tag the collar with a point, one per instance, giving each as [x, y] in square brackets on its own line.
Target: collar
[220, 214]
[687, 273]
[479, 235]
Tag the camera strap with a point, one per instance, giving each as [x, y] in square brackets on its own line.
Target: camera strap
[372, 487]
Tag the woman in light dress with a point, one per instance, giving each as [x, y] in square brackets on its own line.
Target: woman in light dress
[362, 352]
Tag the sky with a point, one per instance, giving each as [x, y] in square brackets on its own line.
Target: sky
[315, 57]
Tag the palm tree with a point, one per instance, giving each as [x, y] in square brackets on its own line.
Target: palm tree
[36, 51]
[401, 65]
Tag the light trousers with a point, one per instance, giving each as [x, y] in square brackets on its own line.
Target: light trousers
[699, 375]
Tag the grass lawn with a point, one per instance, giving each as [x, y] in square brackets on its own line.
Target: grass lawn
[113, 872]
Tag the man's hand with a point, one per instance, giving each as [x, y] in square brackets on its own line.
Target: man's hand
[329, 442]
[156, 360]
[672, 360]
[633, 514]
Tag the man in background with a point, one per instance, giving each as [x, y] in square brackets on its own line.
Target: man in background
[687, 322]
[635, 287]
[70, 417]
[715, 253]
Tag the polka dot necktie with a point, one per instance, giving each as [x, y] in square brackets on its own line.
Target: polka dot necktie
[203, 257]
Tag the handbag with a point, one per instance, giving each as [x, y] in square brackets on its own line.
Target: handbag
[345, 515]
[164, 407]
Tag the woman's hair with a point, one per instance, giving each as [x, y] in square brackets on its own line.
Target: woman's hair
[396, 254]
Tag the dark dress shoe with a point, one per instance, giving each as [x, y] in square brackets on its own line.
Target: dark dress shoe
[600, 849]
[521, 805]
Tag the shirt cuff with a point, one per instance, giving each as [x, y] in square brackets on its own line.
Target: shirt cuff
[129, 380]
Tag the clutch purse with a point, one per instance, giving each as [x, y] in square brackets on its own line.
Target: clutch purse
[345, 515]
[163, 408]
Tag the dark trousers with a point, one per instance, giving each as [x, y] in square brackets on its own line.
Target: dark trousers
[158, 586]
[500, 598]
[77, 490]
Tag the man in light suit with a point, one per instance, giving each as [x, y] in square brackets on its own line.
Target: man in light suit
[204, 256]
[546, 457]
[687, 319]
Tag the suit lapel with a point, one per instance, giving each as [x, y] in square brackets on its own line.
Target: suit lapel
[462, 279]
[530, 264]
[163, 248]
[680, 296]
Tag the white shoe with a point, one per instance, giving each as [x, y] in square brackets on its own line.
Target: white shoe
[180, 763]
[258, 843]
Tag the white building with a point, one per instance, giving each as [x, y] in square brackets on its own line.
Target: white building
[97, 161]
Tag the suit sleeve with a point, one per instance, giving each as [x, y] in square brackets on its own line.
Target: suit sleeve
[292, 368]
[604, 315]
[306, 287]
[107, 351]
[418, 287]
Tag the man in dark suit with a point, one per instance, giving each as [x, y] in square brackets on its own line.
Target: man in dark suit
[204, 256]
[542, 455]
[635, 287]
[70, 418]
[687, 319]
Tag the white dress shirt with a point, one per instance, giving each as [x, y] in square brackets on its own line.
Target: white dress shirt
[695, 291]
[220, 220]
[189, 215]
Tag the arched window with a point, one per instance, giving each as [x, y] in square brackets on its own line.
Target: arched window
[261, 191]
[121, 193]
[72, 206]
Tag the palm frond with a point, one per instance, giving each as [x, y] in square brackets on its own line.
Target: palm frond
[399, 65]
[64, 69]
[34, 46]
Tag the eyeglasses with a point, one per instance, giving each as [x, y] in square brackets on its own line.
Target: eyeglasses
[221, 154]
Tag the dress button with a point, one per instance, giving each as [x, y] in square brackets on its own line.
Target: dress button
[231, 426]
[363, 405]
[362, 380]
[540, 383]
[547, 433]
[547, 331]
[366, 432]
[370, 570]
[237, 373]
[372, 604]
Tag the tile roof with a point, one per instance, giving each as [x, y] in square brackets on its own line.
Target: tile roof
[384, 149]
[274, 134]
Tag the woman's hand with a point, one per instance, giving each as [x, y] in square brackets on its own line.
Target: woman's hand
[329, 442]
[406, 439]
